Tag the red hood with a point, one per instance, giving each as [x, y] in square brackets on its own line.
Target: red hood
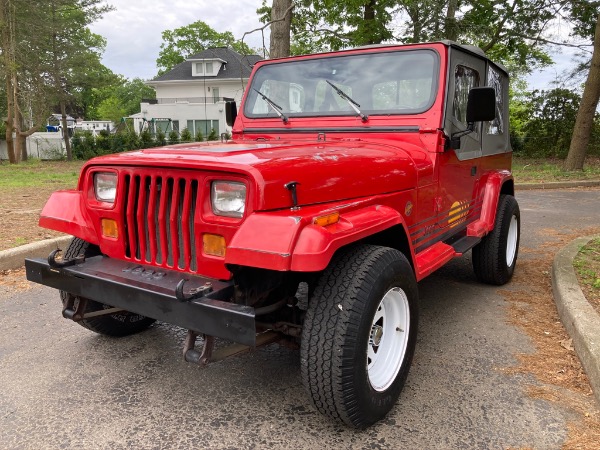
[326, 171]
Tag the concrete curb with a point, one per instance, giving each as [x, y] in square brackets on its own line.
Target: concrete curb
[579, 317]
[13, 257]
[557, 185]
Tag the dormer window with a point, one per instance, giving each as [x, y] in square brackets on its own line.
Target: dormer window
[204, 68]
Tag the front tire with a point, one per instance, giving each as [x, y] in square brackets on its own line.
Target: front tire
[119, 324]
[359, 334]
[495, 257]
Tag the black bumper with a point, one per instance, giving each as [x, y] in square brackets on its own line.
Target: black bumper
[150, 292]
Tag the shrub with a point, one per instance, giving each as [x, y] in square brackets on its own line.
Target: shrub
[186, 136]
[199, 136]
[146, 139]
[173, 137]
[213, 136]
[161, 138]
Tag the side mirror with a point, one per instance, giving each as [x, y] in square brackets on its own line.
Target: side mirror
[230, 112]
[481, 105]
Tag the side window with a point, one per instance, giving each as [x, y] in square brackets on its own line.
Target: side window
[465, 78]
[496, 126]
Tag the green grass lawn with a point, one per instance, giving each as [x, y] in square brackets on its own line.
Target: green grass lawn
[36, 173]
[529, 170]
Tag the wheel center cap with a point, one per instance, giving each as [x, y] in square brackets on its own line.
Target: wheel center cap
[376, 335]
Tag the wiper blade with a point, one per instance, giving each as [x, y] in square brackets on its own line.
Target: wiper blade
[278, 109]
[349, 99]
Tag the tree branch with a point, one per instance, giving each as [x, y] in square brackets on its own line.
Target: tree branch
[269, 23]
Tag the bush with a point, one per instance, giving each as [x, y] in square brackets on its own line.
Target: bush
[186, 136]
[173, 137]
[161, 138]
[83, 145]
[146, 139]
[212, 136]
[199, 136]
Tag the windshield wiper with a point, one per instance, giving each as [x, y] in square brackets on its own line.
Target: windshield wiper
[278, 109]
[350, 101]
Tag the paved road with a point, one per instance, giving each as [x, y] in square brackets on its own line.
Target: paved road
[64, 387]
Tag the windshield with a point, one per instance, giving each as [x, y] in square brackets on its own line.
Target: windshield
[399, 82]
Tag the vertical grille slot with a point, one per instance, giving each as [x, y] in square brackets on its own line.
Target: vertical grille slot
[159, 218]
[192, 215]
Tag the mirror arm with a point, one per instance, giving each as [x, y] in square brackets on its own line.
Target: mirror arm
[454, 141]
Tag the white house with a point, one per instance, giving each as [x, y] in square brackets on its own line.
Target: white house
[193, 93]
[95, 126]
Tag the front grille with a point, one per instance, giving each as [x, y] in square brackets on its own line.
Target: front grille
[159, 220]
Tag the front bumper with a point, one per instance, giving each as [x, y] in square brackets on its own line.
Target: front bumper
[151, 292]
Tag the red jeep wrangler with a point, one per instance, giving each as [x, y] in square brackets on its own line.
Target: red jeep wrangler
[350, 177]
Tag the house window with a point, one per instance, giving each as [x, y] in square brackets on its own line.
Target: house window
[204, 126]
[209, 68]
[199, 68]
[215, 92]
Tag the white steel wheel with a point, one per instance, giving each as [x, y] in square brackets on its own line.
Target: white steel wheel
[495, 257]
[388, 339]
[511, 241]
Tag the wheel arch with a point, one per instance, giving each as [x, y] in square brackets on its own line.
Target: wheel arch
[497, 183]
[377, 225]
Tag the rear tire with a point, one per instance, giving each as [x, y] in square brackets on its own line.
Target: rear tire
[495, 257]
[119, 324]
[359, 334]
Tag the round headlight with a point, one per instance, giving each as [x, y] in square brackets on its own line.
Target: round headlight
[228, 198]
[105, 186]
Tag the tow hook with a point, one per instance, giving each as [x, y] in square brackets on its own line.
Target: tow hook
[194, 293]
[64, 263]
[209, 354]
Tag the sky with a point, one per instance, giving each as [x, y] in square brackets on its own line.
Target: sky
[133, 33]
[133, 30]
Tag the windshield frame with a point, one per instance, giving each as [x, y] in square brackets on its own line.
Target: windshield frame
[251, 96]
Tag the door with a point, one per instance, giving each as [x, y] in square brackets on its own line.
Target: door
[459, 169]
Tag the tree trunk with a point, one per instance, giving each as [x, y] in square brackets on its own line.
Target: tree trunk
[9, 67]
[280, 29]
[450, 25]
[10, 125]
[65, 130]
[20, 143]
[587, 109]
[368, 22]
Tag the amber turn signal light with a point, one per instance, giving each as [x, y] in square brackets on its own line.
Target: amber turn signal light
[109, 228]
[328, 219]
[213, 245]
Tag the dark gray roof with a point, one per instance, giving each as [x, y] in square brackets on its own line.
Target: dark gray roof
[236, 65]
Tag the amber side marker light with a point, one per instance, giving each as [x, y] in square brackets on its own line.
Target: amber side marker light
[109, 228]
[213, 245]
[328, 219]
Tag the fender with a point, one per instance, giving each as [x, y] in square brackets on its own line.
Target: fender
[497, 183]
[316, 245]
[294, 243]
[65, 211]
